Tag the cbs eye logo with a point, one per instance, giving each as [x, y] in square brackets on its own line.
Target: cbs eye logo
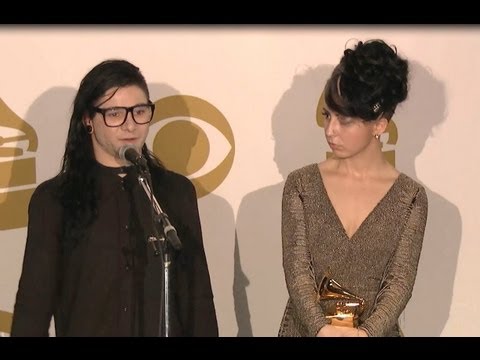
[391, 130]
[193, 138]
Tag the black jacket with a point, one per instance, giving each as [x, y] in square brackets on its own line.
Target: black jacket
[109, 284]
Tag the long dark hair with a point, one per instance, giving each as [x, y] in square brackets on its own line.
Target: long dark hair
[78, 192]
[370, 80]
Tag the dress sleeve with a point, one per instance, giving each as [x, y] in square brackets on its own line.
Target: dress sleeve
[36, 295]
[399, 277]
[297, 260]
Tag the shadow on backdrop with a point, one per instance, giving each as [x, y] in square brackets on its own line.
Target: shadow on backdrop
[50, 115]
[429, 307]
[298, 142]
[177, 146]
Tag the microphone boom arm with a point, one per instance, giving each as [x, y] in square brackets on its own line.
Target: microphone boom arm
[169, 231]
[169, 236]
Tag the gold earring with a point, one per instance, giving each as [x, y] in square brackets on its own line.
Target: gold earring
[377, 136]
[89, 129]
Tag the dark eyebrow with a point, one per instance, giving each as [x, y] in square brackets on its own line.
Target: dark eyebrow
[334, 113]
[123, 107]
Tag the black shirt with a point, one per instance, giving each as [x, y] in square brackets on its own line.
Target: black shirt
[110, 283]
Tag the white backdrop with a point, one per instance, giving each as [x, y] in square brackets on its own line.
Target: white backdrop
[266, 82]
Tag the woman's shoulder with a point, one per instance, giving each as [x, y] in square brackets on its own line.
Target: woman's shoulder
[412, 189]
[305, 171]
[304, 179]
[409, 183]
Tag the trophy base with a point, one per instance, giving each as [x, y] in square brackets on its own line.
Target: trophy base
[345, 321]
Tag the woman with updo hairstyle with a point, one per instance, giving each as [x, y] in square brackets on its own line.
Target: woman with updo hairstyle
[353, 225]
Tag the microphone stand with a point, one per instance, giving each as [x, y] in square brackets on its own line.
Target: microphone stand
[160, 246]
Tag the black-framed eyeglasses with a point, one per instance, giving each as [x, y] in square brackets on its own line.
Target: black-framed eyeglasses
[116, 116]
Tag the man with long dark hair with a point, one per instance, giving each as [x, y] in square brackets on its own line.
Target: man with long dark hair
[87, 261]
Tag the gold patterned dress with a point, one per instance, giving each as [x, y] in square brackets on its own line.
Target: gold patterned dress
[378, 263]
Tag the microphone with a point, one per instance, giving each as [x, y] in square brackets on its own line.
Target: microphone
[130, 154]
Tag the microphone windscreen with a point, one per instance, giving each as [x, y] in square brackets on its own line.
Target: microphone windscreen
[123, 151]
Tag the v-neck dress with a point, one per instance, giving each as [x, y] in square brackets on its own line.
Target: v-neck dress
[378, 262]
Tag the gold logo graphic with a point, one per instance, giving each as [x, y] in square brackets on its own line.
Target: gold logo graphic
[16, 169]
[391, 130]
[184, 147]
[5, 323]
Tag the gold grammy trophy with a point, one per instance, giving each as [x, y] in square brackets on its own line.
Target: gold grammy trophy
[341, 306]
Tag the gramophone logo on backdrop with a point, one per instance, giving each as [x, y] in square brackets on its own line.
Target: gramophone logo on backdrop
[391, 130]
[18, 141]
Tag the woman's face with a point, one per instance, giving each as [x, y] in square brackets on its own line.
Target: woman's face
[347, 136]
